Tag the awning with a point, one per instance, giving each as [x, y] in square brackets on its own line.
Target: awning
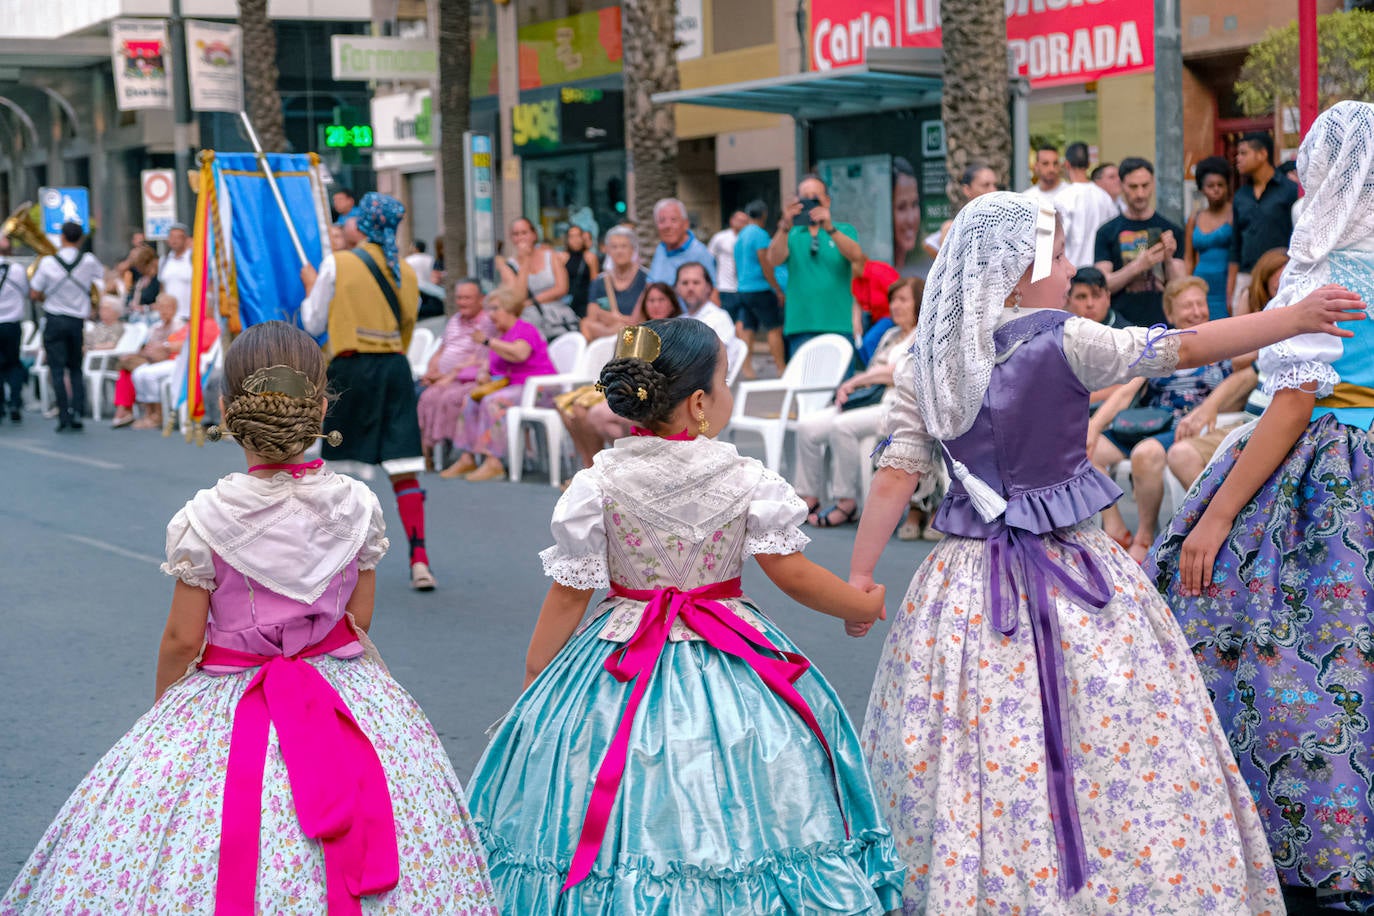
[891, 79]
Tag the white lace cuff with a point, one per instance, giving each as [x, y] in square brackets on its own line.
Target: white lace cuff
[911, 457]
[1302, 375]
[779, 541]
[585, 571]
[372, 552]
[186, 571]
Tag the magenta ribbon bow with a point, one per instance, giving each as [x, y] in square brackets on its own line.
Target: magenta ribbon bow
[337, 781]
[720, 627]
[1018, 555]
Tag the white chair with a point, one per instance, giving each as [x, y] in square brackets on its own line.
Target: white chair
[807, 385]
[585, 371]
[421, 351]
[736, 352]
[101, 367]
[209, 362]
[29, 341]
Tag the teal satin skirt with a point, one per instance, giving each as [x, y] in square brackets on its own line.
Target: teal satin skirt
[727, 805]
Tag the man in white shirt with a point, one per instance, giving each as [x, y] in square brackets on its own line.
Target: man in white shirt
[1048, 185]
[421, 262]
[694, 289]
[174, 273]
[14, 296]
[722, 247]
[1084, 206]
[63, 284]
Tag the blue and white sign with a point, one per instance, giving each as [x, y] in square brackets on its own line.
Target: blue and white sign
[64, 205]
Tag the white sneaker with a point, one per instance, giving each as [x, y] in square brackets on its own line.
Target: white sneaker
[421, 579]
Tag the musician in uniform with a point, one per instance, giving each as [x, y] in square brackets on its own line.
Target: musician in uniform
[63, 284]
[14, 299]
[367, 298]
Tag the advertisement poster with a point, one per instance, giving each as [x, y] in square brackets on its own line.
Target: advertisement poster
[141, 63]
[861, 194]
[214, 64]
[575, 48]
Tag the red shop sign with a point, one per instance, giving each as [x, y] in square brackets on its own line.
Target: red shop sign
[1053, 42]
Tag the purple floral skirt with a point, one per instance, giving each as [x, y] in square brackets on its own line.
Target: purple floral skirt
[1285, 640]
[441, 410]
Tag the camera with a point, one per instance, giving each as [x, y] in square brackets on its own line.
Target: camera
[803, 218]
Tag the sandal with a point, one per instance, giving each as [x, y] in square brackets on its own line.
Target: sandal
[823, 518]
[813, 505]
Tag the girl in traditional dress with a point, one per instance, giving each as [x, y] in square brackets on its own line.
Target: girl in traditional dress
[1038, 732]
[1269, 563]
[675, 756]
[281, 769]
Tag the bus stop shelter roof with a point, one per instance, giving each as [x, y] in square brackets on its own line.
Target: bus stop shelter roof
[889, 80]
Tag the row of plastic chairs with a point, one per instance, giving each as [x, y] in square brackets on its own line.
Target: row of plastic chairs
[99, 367]
[424, 343]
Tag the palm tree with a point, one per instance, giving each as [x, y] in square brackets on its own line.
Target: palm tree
[455, 70]
[974, 107]
[260, 75]
[649, 49]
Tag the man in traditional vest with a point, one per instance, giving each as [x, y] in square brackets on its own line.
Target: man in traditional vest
[367, 299]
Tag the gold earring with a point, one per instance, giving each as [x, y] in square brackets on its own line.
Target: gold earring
[702, 425]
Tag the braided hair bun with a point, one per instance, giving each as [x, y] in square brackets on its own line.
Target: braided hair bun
[686, 363]
[273, 425]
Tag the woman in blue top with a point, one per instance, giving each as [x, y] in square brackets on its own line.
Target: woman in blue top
[1269, 564]
[1207, 243]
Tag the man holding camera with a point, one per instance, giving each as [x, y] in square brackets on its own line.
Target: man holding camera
[820, 256]
[1138, 250]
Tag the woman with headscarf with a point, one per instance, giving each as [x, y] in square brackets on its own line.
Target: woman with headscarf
[367, 300]
[1037, 729]
[1267, 565]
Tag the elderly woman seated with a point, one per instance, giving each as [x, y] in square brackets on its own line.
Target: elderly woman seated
[840, 429]
[452, 372]
[614, 296]
[105, 333]
[141, 374]
[1165, 409]
[517, 352]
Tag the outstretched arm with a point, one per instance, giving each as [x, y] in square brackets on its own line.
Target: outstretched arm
[820, 589]
[183, 635]
[558, 618]
[1229, 337]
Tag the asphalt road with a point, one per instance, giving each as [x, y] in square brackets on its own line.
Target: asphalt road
[83, 604]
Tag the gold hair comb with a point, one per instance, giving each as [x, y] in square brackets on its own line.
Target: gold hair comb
[638, 342]
[282, 380]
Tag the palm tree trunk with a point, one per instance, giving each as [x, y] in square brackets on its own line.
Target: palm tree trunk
[260, 75]
[974, 107]
[649, 49]
[455, 70]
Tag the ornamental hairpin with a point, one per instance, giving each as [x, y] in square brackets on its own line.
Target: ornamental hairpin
[282, 380]
[638, 342]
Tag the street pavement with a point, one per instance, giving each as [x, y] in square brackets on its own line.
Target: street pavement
[83, 603]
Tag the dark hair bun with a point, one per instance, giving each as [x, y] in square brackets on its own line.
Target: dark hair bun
[623, 379]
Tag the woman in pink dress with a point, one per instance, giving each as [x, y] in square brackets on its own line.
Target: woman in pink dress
[453, 372]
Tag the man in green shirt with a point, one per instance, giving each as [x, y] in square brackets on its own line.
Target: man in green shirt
[821, 258]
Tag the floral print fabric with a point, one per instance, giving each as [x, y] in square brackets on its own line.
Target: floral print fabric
[956, 746]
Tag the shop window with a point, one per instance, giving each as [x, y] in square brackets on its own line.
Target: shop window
[736, 25]
[1058, 124]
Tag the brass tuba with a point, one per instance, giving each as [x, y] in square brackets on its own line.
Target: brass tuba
[21, 228]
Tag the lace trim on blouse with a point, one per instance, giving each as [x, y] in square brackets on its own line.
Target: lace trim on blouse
[588, 571]
[1302, 375]
[912, 457]
[779, 541]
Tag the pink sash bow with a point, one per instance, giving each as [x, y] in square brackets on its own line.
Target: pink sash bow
[701, 610]
[337, 781]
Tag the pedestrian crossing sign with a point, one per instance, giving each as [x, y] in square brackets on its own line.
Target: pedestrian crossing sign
[64, 205]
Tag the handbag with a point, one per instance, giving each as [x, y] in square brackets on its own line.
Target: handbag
[1135, 424]
[866, 396]
[487, 388]
[552, 318]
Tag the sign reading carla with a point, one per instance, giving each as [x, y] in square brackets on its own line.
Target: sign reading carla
[1052, 42]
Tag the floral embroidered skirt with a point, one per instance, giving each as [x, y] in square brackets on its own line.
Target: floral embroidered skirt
[440, 409]
[141, 833]
[955, 738]
[727, 806]
[1285, 638]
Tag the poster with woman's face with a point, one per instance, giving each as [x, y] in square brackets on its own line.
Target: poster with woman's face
[906, 214]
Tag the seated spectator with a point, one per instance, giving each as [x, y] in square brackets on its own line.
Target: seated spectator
[452, 372]
[1089, 298]
[618, 290]
[1264, 278]
[694, 288]
[518, 351]
[146, 287]
[840, 428]
[870, 287]
[141, 374]
[105, 333]
[590, 423]
[1185, 306]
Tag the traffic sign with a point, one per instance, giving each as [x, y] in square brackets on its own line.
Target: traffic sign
[159, 203]
[64, 205]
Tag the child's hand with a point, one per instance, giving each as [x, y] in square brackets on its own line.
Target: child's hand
[873, 604]
[857, 630]
[1323, 307]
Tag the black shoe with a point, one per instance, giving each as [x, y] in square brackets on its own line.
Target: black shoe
[16, 416]
[74, 421]
[64, 422]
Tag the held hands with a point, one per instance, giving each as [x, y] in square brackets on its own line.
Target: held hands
[1323, 307]
[875, 605]
[1199, 554]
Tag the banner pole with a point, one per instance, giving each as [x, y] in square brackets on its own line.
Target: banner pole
[276, 192]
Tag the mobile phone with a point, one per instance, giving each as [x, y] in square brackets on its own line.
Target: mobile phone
[1153, 235]
[803, 218]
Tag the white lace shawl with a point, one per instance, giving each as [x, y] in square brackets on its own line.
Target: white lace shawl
[292, 536]
[1336, 169]
[689, 489]
[989, 246]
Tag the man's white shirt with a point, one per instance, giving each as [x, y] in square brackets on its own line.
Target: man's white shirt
[722, 247]
[717, 319]
[1086, 208]
[64, 294]
[14, 290]
[174, 273]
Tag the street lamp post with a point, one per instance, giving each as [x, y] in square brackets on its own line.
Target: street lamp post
[181, 110]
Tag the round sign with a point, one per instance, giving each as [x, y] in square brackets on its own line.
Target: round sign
[52, 198]
[157, 188]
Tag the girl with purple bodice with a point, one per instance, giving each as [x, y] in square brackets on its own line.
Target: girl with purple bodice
[1037, 730]
[281, 769]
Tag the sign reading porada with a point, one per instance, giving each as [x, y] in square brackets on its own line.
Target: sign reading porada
[1052, 42]
[358, 57]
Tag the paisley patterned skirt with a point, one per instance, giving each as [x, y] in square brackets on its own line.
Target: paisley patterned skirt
[955, 738]
[1285, 638]
[141, 833]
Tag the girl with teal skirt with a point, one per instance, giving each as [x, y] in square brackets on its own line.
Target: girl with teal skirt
[676, 755]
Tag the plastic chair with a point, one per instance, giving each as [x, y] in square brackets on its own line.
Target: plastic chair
[102, 366]
[587, 370]
[421, 351]
[807, 385]
[736, 352]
